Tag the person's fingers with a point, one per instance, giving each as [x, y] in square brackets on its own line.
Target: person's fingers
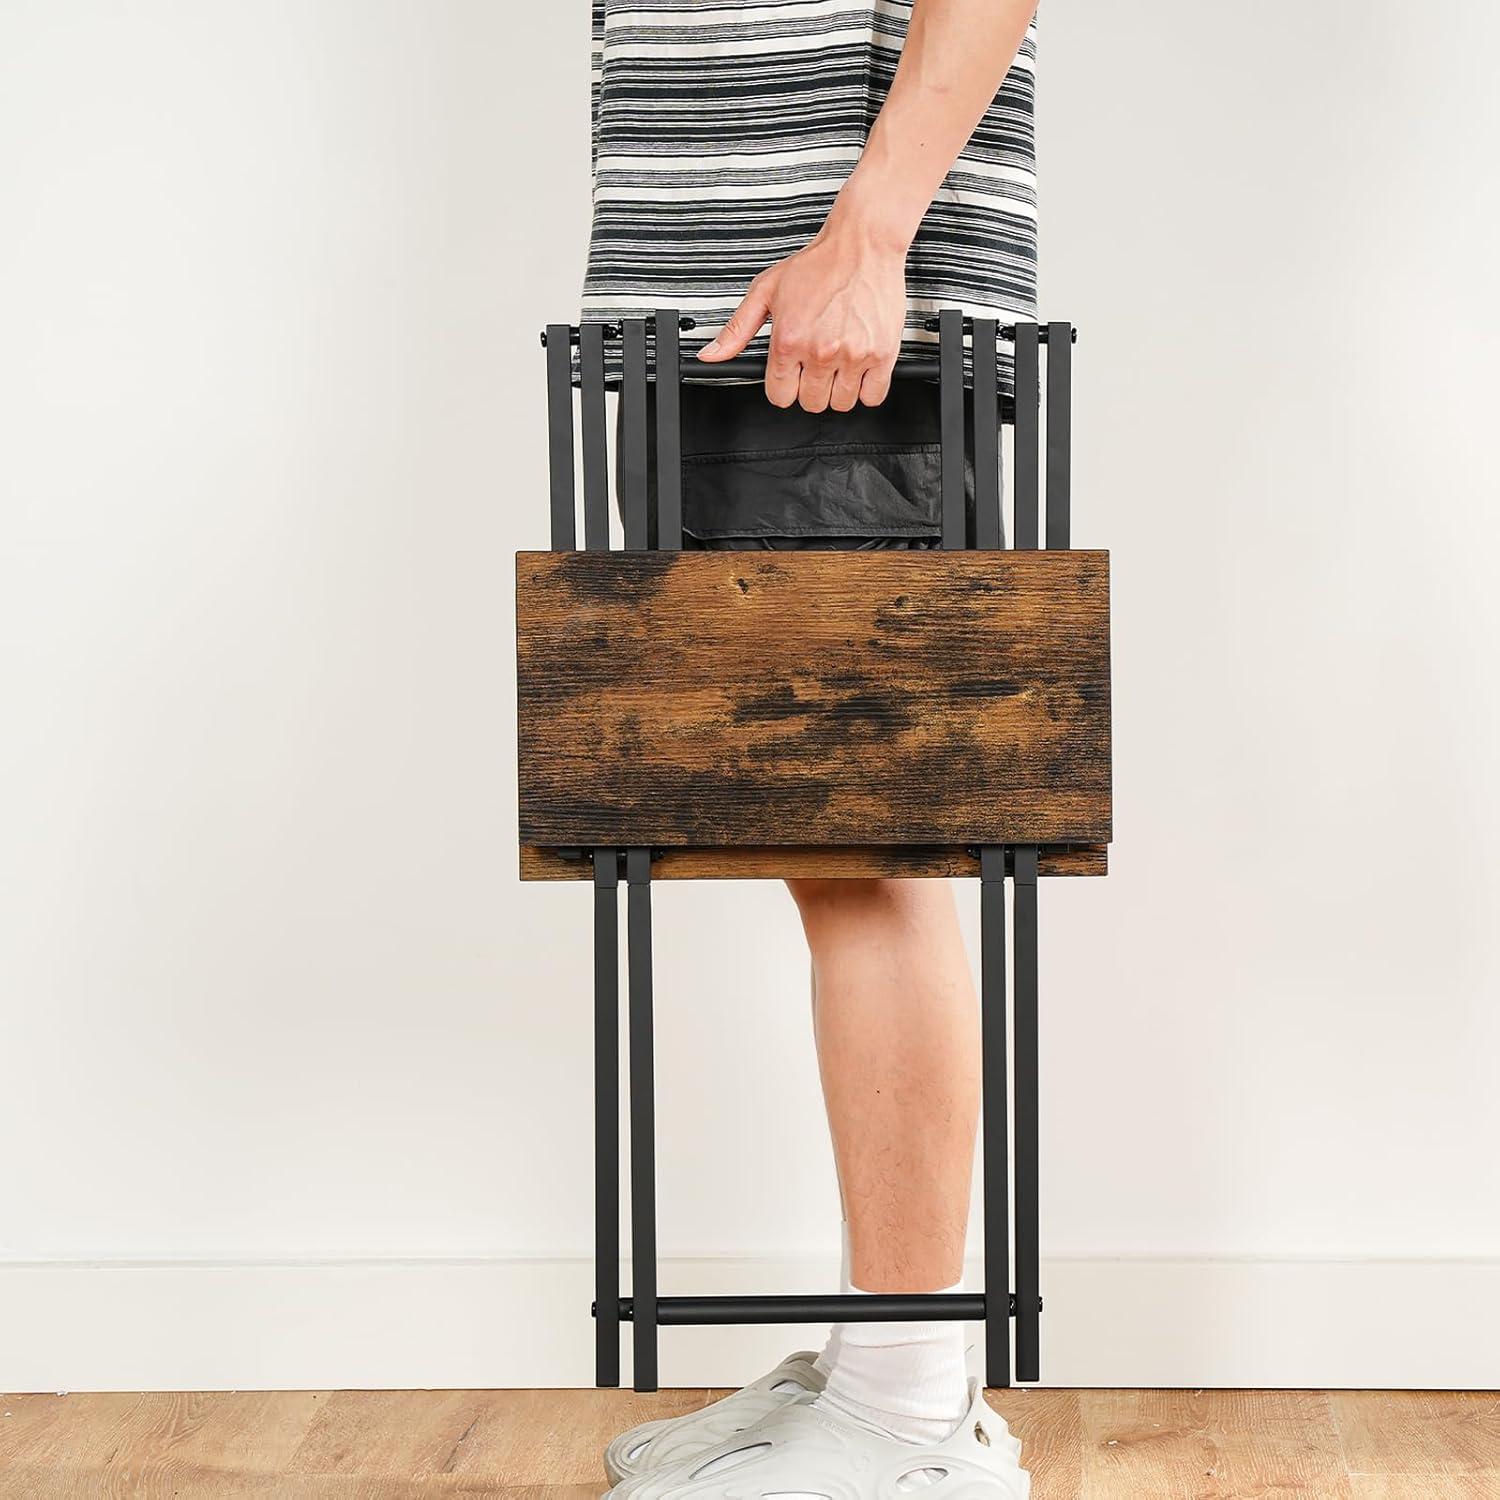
[816, 384]
[744, 323]
[847, 384]
[784, 361]
[876, 385]
[815, 389]
[783, 373]
[818, 362]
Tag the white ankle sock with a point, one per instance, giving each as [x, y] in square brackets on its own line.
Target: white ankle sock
[826, 1360]
[908, 1379]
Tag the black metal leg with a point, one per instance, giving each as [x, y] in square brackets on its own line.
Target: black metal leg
[668, 432]
[1028, 422]
[1028, 1158]
[1059, 433]
[595, 449]
[606, 1117]
[653, 496]
[633, 428]
[987, 527]
[951, 412]
[996, 1087]
[560, 434]
[642, 1120]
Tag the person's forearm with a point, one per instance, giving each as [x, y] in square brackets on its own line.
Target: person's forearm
[957, 54]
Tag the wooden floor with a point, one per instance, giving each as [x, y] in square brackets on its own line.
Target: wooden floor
[545, 1445]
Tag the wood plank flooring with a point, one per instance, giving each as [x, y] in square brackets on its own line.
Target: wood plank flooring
[545, 1445]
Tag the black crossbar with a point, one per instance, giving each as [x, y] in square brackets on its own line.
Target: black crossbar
[569, 333]
[753, 367]
[951, 1307]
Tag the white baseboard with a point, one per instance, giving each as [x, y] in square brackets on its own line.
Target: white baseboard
[435, 1323]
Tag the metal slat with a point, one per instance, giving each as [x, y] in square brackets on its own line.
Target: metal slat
[642, 1119]
[1028, 418]
[560, 435]
[633, 436]
[987, 528]
[1059, 433]
[951, 398]
[606, 1117]
[595, 438]
[668, 432]
[1028, 1156]
[996, 1093]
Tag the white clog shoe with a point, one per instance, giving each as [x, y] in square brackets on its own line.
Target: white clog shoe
[801, 1452]
[671, 1440]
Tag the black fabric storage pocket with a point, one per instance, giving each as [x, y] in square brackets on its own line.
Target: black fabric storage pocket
[754, 474]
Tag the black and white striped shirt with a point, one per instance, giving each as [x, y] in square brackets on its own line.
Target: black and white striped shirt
[723, 129]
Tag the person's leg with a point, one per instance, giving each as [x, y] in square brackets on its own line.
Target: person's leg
[897, 1028]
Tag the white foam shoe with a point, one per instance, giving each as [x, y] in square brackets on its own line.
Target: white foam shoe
[673, 1440]
[801, 1452]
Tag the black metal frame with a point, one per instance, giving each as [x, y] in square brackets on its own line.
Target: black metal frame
[653, 521]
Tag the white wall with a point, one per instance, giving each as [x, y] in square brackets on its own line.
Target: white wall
[294, 1074]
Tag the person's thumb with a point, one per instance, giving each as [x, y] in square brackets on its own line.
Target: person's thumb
[744, 323]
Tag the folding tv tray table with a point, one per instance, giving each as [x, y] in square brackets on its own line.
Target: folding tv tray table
[706, 714]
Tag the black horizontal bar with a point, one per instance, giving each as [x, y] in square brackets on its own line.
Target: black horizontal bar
[882, 1308]
[616, 330]
[1006, 331]
[749, 366]
[576, 852]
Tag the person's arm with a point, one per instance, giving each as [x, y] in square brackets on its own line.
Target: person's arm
[838, 307]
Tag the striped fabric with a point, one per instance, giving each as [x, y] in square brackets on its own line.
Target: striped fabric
[722, 129]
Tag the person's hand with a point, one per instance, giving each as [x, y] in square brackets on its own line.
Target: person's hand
[837, 311]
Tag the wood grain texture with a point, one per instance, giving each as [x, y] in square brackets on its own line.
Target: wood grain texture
[1428, 1487]
[1050, 1427]
[790, 861]
[359, 1432]
[813, 698]
[1200, 1445]
[546, 1445]
[324, 1446]
[1453, 1434]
